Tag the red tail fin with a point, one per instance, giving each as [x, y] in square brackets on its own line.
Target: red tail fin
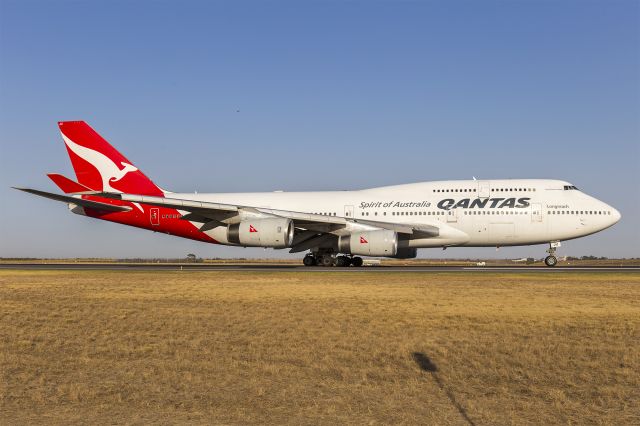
[100, 166]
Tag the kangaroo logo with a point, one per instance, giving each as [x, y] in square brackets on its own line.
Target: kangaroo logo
[109, 171]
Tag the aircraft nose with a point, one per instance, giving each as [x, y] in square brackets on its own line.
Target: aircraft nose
[615, 215]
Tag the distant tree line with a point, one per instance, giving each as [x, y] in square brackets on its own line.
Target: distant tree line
[587, 258]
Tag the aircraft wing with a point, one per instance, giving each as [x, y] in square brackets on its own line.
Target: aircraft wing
[217, 214]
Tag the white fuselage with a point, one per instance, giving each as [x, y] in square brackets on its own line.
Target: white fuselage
[467, 212]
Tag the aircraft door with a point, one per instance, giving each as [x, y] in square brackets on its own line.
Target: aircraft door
[154, 216]
[484, 189]
[536, 212]
[348, 211]
[452, 215]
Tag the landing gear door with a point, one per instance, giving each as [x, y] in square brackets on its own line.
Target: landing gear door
[348, 211]
[484, 189]
[536, 212]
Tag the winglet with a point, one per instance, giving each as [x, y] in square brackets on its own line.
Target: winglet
[67, 185]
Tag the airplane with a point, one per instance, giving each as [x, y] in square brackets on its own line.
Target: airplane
[337, 228]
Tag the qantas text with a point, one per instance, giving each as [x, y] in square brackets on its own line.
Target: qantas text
[449, 203]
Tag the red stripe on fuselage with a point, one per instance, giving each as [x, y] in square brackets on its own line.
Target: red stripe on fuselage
[169, 221]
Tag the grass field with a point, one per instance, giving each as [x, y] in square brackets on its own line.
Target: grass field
[372, 348]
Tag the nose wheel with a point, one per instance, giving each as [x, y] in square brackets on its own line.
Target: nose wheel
[552, 260]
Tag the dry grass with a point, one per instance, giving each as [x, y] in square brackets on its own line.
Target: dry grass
[238, 348]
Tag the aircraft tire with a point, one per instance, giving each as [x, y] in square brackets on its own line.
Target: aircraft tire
[342, 261]
[309, 260]
[550, 261]
[325, 261]
[357, 261]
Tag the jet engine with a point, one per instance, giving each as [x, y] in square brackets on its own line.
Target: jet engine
[370, 243]
[271, 232]
[406, 253]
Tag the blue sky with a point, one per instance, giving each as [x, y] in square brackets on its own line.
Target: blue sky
[269, 95]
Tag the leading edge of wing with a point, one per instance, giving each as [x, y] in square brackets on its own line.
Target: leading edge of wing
[203, 207]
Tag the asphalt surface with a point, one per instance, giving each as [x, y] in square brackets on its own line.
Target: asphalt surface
[301, 268]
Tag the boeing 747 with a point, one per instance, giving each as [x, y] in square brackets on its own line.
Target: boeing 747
[335, 227]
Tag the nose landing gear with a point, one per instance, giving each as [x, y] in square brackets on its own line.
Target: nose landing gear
[552, 260]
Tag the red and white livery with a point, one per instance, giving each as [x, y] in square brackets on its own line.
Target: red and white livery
[336, 227]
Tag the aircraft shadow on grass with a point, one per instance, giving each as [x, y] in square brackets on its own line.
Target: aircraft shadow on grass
[427, 365]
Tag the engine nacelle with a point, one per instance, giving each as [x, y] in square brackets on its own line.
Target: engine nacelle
[406, 253]
[370, 243]
[270, 232]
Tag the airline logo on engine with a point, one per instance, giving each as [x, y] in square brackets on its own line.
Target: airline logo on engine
[252, 229]
[363, 240]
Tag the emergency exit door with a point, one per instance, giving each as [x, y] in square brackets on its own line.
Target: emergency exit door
[536, 212]
[484, 189]
[348, 211]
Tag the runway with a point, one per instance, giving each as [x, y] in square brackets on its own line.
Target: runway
[301, 268]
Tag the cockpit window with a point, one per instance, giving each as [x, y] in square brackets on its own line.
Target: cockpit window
[570, 188]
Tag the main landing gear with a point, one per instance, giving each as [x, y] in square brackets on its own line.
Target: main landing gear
[552, 260]
[330, 259]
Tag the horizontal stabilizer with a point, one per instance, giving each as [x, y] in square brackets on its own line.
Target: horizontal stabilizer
[78, 201]
[67, 185]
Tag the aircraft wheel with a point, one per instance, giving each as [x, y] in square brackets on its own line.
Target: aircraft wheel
[325, 261]
[357, 261]
[309, 260]
[342, 261]
[550, 261]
